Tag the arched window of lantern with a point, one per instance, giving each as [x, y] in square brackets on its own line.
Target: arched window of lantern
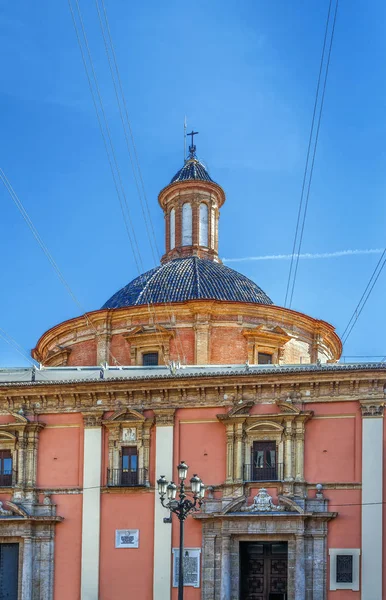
[187, 224]
[172, 228]
[203, 231]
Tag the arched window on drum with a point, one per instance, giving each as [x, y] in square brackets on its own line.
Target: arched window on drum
[172, 229]
[187, 224]
[203, 229]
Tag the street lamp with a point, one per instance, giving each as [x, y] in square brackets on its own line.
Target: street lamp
[182, 507]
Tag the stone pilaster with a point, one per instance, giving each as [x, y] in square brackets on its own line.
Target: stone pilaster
[208, 565]
[299, 451]
[27, 572]
[319, 567]
[229, 451]
[164, 421]
[92, 460]
[226, 567]
[239, 452]
[300, 581]
[372, 498]
[202, 328]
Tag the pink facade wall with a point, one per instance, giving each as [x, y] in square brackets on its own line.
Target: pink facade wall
[332, 457]
[127, 571]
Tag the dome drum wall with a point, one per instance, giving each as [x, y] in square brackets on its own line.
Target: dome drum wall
[201, 332]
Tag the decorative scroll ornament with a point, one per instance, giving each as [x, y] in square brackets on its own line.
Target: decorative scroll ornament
[3, 512]
[262, 502]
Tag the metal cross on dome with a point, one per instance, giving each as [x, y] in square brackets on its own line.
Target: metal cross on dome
[192, 147]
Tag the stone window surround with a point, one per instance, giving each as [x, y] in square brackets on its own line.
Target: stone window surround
[262, 339]
[355, 553]
[150, 338]
[21, 437]
[286, 428]
[124, 419]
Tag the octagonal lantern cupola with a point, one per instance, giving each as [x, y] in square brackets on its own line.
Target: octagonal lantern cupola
[191, 205]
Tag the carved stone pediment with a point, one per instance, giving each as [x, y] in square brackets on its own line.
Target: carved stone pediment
[239, 410]
[125, 415]
[148, 333]
[288, 407]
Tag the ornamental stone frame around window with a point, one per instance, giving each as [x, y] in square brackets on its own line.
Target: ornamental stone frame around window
[267, 341]
[21, 437]
[129, 427]
[286, 428]
[149, 338]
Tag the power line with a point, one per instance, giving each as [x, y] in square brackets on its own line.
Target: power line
[128, 133]
[13, 343]
[27, 219]
[109, 148]
[298, 243]
[364, 298]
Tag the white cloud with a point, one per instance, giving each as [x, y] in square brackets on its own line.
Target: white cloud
[306, 255]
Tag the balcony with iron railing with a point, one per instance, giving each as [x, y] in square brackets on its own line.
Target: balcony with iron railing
[126, 478]
[8, 478]
[264, 472]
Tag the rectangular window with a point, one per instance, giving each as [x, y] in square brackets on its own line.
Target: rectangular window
[264, 358]
[5, 468]
[150, 359]
[264, 466]
[129, 466]
[344, 568]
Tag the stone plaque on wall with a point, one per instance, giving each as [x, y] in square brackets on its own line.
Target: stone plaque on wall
[129, 434]
[127, 538]
[191, 566]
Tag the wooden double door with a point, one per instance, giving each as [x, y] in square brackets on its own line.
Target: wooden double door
[9, 565]
[263, 570]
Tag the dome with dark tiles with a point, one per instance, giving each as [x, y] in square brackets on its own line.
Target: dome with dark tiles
[188, 278]
[192, 170]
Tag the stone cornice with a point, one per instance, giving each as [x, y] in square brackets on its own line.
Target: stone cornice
[211, 391]
[195, 185]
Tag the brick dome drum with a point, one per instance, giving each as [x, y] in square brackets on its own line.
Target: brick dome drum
[185, 279]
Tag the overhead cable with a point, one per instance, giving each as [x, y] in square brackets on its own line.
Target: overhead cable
[109, 147]
[364, 298]
[312, 143]
[129, 138]
[47, 253]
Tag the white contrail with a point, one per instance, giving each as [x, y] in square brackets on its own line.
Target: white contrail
[306, 255]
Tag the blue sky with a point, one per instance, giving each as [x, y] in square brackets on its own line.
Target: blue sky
[246, 78]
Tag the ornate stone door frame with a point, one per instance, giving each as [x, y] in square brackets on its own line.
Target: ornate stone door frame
[35, 536]
[305, 533]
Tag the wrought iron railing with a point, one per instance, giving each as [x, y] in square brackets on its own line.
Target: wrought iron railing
[264, 472]
[126, 478]
[8, 478]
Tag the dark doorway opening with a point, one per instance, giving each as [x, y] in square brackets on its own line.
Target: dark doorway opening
[263, 570]
[9, 567]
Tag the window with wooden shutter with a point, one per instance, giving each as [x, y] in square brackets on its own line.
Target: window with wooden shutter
[5, 468]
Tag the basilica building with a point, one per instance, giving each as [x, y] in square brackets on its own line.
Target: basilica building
[192, 361]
